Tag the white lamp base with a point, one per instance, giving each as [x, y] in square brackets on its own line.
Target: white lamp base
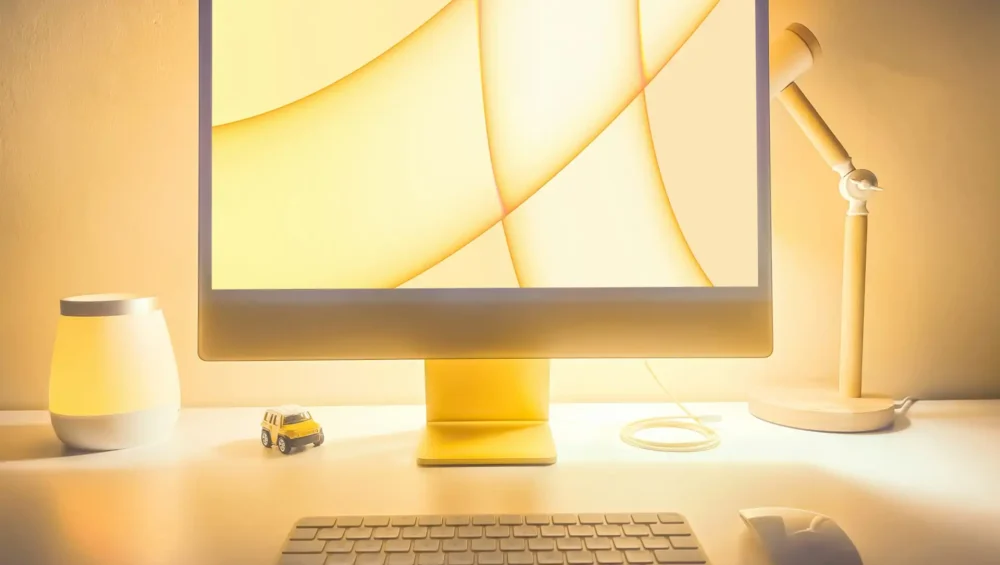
[822, 410]
[115, 431]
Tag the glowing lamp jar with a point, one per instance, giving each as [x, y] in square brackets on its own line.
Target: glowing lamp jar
[113, 382]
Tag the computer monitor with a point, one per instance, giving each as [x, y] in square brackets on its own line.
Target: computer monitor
[492, 179]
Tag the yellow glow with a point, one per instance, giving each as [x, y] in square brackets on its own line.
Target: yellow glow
[112, 365]
[267, 54]
[501, 143]
[605, 220]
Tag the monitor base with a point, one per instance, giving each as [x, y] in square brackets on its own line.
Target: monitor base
[487, 412]
[822, 410]
[486, 443]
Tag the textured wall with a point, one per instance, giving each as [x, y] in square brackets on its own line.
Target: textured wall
[98, 185]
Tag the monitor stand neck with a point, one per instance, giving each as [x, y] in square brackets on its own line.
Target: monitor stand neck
[487, 412]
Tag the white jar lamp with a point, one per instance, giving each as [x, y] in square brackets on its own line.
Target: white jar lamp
[113, 382]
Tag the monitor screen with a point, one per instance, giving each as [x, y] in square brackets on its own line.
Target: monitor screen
[383, 144]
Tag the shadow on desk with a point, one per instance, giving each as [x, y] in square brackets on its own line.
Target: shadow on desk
[32, 441]
[207, 511]
[392, 445]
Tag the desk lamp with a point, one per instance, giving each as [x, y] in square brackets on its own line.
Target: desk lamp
[845, 410]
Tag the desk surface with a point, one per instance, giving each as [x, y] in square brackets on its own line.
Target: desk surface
[926, 492]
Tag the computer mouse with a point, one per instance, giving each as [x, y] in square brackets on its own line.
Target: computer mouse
[788, 536]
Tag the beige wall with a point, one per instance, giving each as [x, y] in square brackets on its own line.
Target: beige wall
[98, 184]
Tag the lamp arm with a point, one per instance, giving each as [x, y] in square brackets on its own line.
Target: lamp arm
[856, 186]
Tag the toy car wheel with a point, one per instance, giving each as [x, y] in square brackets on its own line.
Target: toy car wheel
[283, 446]
[265, 438]
[319, 441]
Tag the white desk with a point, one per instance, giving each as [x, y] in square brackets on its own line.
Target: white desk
[928, 492]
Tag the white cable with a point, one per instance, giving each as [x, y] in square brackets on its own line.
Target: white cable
[690, 422]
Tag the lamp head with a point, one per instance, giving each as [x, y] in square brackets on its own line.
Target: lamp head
[793, 52]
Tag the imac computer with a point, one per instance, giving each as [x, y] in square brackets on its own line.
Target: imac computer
[484, 185]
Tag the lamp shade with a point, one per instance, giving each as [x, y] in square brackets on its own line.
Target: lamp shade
[113, 382]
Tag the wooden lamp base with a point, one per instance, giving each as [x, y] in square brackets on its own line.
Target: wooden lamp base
[823, 410]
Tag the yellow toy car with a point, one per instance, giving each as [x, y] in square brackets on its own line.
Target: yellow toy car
[289, 427]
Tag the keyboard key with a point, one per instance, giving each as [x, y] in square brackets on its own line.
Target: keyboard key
[401, 559]
[429, 520]
[670, 518]
[564, 519]
[610, 557]
[644, 519]
[541, 544]
[368, 546]
[483, 544]
[683, 542]
[386, 533]
[491, 558]
[591, 519]
[520, 558]
[403, 521]
[339, 546]
[656, 543]
[677, 556]
[470, 532]
[415, 532]
[595, 544]
[317, 522]
[339, 559]
[300, 546]
[465, 558]
[536, 520]
[430, 559]
[638, 530]
[454, 545]
[358, 533]
[442, 532]
[550, 558]
[553, 531]
[350, 521]
[456, 520]
[331, 533]
[498, 531]
[510, 520]
[395, 546]
[670, 529]
[376, 521]
[426, 546]
[367, 558]
[484, 520]
[581, 531]
[618, 519]
[580, 558]
[302, 559]
[608, 531]
[639, 557]
[303, 534]
[627, 543]
[569, 544]
[526, 531]
[512, 544]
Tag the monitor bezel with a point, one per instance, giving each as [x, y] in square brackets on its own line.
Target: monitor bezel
[241, 325]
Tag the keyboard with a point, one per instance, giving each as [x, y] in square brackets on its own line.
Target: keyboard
[545, 539]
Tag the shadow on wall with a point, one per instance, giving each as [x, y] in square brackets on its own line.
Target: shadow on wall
[920, 38]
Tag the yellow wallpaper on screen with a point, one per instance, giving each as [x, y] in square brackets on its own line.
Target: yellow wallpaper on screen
[498, 143]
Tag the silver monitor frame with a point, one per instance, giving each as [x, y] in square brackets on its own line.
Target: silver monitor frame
[502, 323]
